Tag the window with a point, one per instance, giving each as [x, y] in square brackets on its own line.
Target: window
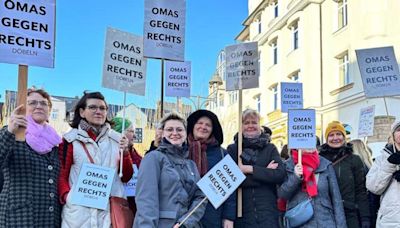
[295, 76]
[274, 47]
[259, 27]
[344, 76]
[342, 13]
[258, 102]
[275, 96]
[221, 100]
[295, 35]
[276, 9]
[233, 97]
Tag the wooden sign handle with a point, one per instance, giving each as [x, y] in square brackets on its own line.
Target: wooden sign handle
[240, 147]
[21, 97]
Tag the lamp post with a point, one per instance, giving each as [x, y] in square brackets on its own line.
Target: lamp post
[214, 82]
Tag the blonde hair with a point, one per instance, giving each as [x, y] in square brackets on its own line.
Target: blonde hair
[362, 150]
[250, 113]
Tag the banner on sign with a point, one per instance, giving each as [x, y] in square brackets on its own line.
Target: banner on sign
[164, 29]
[301, 129]
[242, 68]
[93, 186]
[138, 135]
[366, 123]
[27, 32]
[379, 71]
[130, 186]
[291, 96]
[221, 181]
[177, 82]
[124, 66]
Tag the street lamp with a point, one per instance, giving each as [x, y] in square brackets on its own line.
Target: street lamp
[214, 82]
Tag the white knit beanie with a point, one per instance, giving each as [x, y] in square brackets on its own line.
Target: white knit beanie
[394, 127]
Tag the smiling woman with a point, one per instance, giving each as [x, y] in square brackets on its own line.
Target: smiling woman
[30, 168]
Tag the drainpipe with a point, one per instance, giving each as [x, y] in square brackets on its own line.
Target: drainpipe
[321, 71]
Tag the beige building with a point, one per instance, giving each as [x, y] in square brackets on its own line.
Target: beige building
[312, 42]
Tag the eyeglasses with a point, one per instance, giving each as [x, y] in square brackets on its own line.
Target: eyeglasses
[34, 103]
[171, 129]
[94, 108]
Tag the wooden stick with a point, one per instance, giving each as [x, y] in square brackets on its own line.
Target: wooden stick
[21, 97]
[387, 112]
[194, 209]
[300, 157]
[240, 147]
[162, 90]
[122, 131]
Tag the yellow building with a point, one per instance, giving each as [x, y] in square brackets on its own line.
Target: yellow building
[312, 42]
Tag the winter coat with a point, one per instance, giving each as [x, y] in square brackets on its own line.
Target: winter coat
[381, 182]
[213, 217]
[259, 189]
[350, 174]
[166, 190]
[29, 197]
[327, 205]
[105, 152]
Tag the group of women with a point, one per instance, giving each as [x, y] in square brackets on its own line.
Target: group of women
[41, 171]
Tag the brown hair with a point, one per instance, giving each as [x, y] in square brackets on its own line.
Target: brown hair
[43, 93]
[172, 116]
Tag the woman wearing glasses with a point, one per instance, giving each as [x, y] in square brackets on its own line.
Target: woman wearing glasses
[30, 167]
[166, 189]
[91, 140]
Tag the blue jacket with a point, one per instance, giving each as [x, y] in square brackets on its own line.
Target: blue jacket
[213, 217]
[328, 207]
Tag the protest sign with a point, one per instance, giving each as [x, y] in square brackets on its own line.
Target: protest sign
[124, 67]
[301, 129]
[27, 30]
[138, 135]
[221, 181]
[93, 186]
[164, 29]
[291, 96]
[379, 71]
[366, 122]
[242, 68]
[130, 186]
[177, 81]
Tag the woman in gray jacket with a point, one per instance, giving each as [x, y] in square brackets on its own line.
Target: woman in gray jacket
[314, 179]
[166, 189]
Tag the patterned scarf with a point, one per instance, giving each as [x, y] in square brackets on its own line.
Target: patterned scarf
[310, 162]
[89, 128]
[198, 152]
[41, 138]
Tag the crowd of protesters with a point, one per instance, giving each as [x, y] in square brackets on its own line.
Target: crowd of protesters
[338, 180]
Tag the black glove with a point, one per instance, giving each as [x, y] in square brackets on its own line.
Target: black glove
[396, 175]
[394, 158]
[365, 224]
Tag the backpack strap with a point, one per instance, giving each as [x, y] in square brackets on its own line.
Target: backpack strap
[340, 159]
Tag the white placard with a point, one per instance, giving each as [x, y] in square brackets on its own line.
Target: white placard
[177, 79]
[27, 31]
[291, 96]
[221, 181]
[379, 71]
[164, 29]
[93, 186]
[301, 129]
[124, 67]
[130, 186]
[366, 123]
[242, 68]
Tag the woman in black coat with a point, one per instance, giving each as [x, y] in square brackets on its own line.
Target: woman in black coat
[29, 197]
[205, 139]
[264, 170]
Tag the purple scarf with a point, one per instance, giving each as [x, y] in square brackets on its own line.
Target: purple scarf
[41, 138]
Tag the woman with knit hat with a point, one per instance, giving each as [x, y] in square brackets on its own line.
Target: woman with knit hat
[205, 138]
[384, 179]
[350, 173]
[129, 132]
[314, 179]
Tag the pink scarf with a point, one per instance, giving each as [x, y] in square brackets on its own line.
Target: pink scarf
[41, 138]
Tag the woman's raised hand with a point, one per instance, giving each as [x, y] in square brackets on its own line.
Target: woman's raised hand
[17, 120]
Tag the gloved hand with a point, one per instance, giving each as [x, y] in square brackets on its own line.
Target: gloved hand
[394, 158]
[365, 224]
[396, 175]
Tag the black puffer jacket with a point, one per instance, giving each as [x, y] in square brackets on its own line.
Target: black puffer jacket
[351, 174]
[259, 188]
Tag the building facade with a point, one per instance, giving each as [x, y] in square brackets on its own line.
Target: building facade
[314, 42]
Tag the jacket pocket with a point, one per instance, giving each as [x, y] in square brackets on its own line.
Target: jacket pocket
[20, 215]
[168, 214]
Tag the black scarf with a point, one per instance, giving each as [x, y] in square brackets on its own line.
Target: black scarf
[333, 154]
[251, 146]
